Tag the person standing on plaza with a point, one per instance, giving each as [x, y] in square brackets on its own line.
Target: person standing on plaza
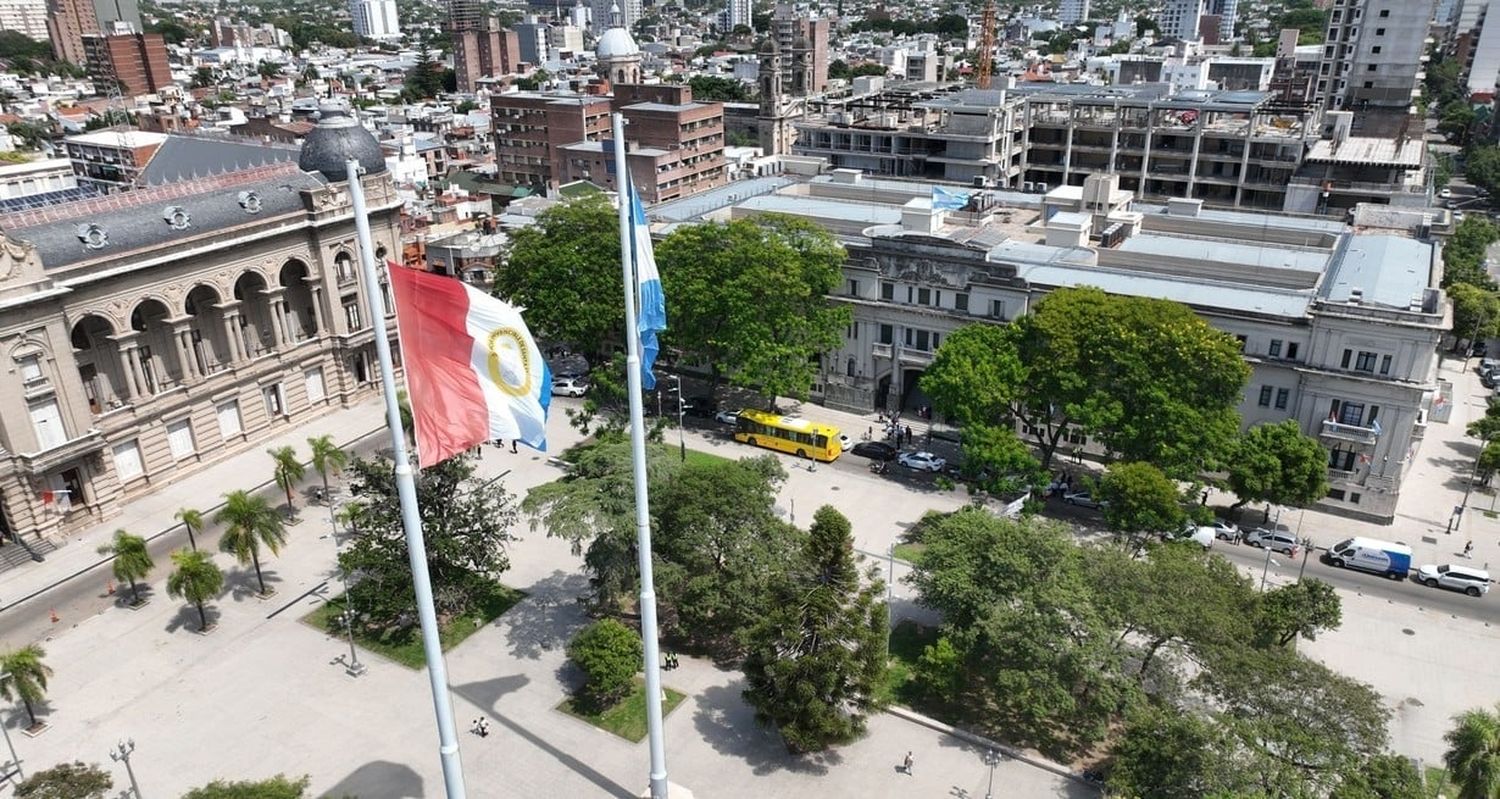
[1469, 549]
[907, 763]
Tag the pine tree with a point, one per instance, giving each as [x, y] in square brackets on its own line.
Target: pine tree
[815, 660]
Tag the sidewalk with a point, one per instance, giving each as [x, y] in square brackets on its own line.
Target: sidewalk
[204, 490]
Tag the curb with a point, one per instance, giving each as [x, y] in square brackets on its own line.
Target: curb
[352, 444]
[980, 740]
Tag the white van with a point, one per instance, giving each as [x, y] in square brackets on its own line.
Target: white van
[1372, 555]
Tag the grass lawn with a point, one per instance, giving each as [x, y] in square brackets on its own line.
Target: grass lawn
[907, 642]
[700, 458]
[627, 718]
[1437, 783]
[405, 647]
[911, 553]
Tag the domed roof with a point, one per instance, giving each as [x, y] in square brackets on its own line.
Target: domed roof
[768, 45]
[616, 43]
[336, 139]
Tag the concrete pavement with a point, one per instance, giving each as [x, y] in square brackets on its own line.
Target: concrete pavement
[266, 694]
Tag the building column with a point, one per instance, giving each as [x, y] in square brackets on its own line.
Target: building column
[319, 317]
[138, 369]
[1197, 145]
[278, 332]
[125, 358]
[229, 317]
[1068, 146]
[182, 337]
[1239, 189]
[1114, 139]
[1150, 131]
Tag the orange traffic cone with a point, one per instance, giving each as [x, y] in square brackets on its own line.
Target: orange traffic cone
[54, 615]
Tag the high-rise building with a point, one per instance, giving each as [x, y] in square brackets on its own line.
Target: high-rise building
[533, 40]
[136, 61]
[26, 17]
[375, 19]
[68, 21]
[1228, 11]
[630, 13]
[485, 53]
[736, 13]
[1072, 12]
[1180, 19]
[803, 41]
[1373, 58]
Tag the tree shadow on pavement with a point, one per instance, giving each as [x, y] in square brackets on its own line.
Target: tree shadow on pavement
[123, 597]
[486, 694]
[728, 724]
[241, 584]
[608, 786]
[186, 617]
[380, 778]
[547, 617]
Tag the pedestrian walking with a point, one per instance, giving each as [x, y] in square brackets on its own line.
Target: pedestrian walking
[908, 432]
[513, 446]
[906, 763]
[1468, 549]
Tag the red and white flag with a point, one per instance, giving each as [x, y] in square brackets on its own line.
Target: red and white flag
[473, 371]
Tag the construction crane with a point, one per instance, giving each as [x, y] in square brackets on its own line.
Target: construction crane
[987, 44]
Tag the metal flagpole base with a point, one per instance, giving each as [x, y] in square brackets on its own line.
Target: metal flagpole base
[674, 790]
[356, 670]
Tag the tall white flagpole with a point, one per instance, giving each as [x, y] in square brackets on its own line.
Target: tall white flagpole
[406, 489]
[652, 654]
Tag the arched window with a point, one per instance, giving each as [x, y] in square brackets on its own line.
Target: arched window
[851, 366]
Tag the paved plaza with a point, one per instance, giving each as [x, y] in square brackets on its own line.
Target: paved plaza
[266, 694]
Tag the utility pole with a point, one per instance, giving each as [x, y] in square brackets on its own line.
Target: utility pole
[354, 668]
[13, 767]
[121, 754]
[991, 759]
[681, 411]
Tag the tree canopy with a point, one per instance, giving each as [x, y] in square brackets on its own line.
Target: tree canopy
[609, 653]
[76, 780]
[749, 298]
[277, 787]
[714, 87]
[1138, 499]
[1279, 464]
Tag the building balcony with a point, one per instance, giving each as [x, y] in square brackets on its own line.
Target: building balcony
[49, 459]
[1358, 434]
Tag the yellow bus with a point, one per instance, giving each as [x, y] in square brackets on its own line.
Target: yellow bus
[788, 434]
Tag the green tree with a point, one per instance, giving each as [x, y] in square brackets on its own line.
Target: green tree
[1482, 167]
[287, 470]
[466, 525]
[328, 458]
[204, 77]
[173, 32]
[713, 87]
[720, 549]
[940, 670]
[249, 524]
[1489, 461]
[197, 579]
[29, 673]
[424, 81]
[1473, 756]
[750, 298]
[192, 522]
[1385, 776]
[131, 561]
[1278, 464]
[269, 69]
[1463, 255]
[76, 780]
[1138, 499]
[1166, 754]
[565, 271]
[609, 653]
[1304, 608]
[1476, 311]
[815, 659]
[277, 787]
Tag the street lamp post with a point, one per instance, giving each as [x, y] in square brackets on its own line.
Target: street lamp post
[991, 759]
[15, 760]
[121, 754]
[681, 409]
[1266, 569]
[1458, 513]
[353, 667]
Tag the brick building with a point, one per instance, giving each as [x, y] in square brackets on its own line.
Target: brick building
[485, 52]
[137, 60]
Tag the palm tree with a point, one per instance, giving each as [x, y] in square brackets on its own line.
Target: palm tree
[192, 521]
[327, 458]
[132, 561]
[289, 470]
[28, 677]
[1473, 756]
[196, 579]
[250, 522]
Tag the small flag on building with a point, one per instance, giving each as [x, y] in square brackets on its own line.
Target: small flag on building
[473, 371]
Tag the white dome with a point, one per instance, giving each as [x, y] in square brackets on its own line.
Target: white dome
[616, 43]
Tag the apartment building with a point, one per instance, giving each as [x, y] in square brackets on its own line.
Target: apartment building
[1072, 12]
[1374, 55]
[68, 21]
[797, 30]
[137, 62]
[150, 333]
[1181, 19]
[1340, 325]
[375, 19]
[1237, 149]
[26, 17]
[485, 52]
[531, 126]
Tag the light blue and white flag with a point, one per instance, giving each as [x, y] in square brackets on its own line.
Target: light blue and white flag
[651, 304]
[948, 199]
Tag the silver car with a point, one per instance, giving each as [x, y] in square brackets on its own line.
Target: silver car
[1274, 540]
[1474, 582]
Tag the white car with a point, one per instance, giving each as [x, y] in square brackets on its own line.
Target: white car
[569, 387]
[1274, 541]
[921, 461]
[1445, 193]
[845, 443]
[730, 418]
[1202, 536]
[1474, 582]
[1083, 499]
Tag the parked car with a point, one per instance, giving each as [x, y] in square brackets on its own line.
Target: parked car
[1391, 558]
[1274, 540]
[702, 407]
[1474, 582]
[921, 461]
[1083, 499]
[1227, 530]
[845, 442]
[569, 387]
[874, 450]
[730, 418]
[1490, 379]
[1488, 366]
[1445, 193]
[1202, 536]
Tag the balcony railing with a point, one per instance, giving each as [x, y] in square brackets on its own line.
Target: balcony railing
[1359, 434]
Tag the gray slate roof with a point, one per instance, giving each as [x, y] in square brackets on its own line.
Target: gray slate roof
[141, 219]
[187, 157]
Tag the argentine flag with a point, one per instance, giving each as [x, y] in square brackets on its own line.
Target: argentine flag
[651, 304]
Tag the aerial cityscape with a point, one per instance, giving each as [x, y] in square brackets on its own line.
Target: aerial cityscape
[732, 398]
